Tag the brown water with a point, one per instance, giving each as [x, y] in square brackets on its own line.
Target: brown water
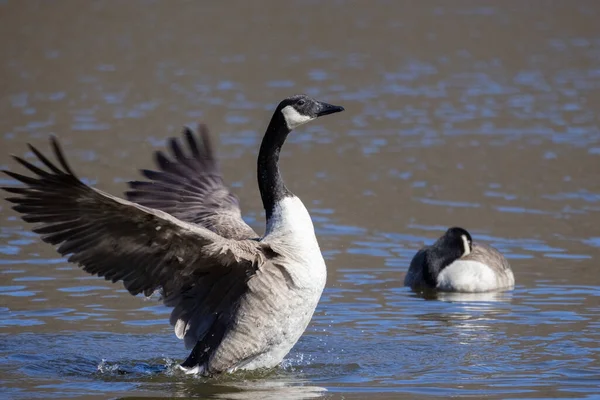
[479, 114]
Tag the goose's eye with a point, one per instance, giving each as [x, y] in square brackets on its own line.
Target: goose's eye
[301, 102]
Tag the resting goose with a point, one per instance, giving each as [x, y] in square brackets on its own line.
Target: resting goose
[455, 264]
[239, 301]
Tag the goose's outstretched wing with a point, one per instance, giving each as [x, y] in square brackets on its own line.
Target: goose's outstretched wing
[147, 249]
[190, 187]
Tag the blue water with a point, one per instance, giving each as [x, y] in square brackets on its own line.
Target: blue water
[482, 116]
[368, 333]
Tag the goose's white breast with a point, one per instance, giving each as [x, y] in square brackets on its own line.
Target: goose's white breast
[290, 231]
[291, 234]
[467, 276]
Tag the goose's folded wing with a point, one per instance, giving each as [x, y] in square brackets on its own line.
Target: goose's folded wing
[121, 241]
[191, 188]
[488, 255]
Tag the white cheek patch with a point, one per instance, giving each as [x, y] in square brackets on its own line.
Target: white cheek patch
[293, 118]
[465, 246]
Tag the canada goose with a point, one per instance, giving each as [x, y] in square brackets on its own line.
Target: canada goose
[455, 264]
[239, 300]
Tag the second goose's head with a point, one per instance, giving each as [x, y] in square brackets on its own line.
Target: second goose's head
[456, 243]
[300, 109]
[453, 244]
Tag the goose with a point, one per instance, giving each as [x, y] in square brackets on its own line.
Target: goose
[240, 301]
[454, 263]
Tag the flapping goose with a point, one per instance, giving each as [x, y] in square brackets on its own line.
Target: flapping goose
[455, 264]
[239, 301]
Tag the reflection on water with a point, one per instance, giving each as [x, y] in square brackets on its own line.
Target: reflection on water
[498, 296]
[463, 114]
[272, 391]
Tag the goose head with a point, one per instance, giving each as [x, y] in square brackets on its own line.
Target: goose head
[456, 242]
[300, 109]
[453, 244]
[289, 114]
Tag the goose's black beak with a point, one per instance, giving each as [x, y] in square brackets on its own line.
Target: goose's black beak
[326, 109]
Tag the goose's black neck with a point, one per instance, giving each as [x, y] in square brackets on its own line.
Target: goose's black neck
[271, 186]
[436, 259]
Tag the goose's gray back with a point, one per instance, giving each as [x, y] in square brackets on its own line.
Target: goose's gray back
[489, 256]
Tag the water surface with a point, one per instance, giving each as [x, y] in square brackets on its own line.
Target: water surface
[479, 114]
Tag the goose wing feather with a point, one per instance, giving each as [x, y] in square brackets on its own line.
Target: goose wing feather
[189, 186]
[201, 274]
[488, 255]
